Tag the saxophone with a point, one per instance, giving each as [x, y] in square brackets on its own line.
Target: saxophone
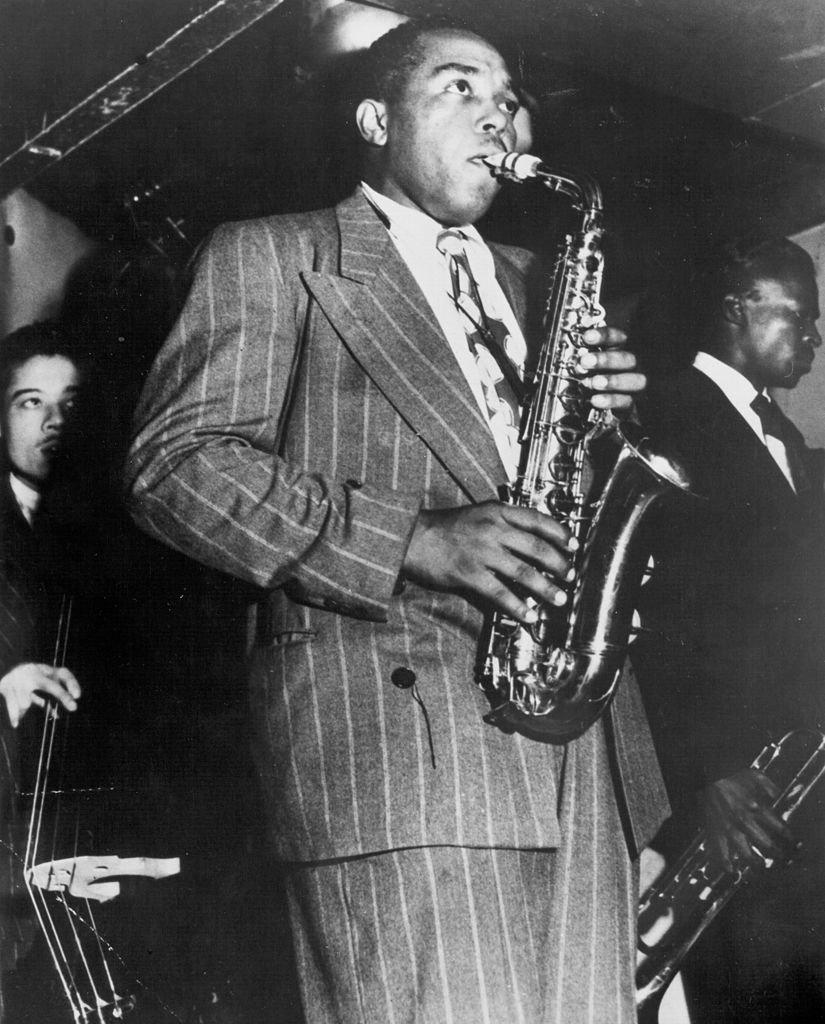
[677, 908]
[552, 680]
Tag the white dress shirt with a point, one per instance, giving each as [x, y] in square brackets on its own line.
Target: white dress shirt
[415, 235]
[27, 498]
[740, 393]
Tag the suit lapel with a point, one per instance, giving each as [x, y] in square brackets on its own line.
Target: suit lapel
[512, 285]
[380, 314]
[744, 456]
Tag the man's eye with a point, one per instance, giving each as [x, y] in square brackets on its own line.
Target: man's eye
[803, 319]
[510, 107]
[460, 85]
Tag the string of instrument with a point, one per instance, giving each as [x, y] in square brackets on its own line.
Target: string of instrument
[64, 884]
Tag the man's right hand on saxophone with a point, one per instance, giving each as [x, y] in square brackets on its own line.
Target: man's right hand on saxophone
[514, 557]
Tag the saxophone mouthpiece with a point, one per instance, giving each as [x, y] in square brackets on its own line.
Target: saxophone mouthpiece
[519, 166]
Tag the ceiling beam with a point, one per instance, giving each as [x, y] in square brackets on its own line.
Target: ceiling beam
[147, 75]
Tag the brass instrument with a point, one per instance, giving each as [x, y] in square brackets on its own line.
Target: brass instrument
[551, 681]
[678, 907]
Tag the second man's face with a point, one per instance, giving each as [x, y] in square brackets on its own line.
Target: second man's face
[782, 333]
[458, 107]
[36, 408]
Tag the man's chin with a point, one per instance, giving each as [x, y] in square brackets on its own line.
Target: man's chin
[477, 204]
[795, 373]
[36, 480]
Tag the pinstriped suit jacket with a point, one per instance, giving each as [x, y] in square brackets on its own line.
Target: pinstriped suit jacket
[379, 423]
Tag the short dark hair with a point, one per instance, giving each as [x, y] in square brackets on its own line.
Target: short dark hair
[44, 338]
[733, 269]
[386, 66]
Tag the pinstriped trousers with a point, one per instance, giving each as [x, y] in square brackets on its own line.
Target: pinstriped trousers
[450, 935]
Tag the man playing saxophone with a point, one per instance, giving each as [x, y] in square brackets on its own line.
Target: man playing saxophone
[331, 420]
[730, 653]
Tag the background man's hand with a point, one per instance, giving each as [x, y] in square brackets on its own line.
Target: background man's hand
[24, 685]
[502, 553]
[737, 812]
[610, 373]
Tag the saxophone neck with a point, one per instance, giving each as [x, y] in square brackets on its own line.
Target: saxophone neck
[581, 188]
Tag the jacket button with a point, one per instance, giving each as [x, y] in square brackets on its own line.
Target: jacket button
[403, 678]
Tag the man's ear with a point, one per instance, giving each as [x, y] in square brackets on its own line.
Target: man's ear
[371, 118]
[733, 309]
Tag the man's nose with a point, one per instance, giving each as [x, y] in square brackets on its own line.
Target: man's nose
[54, 418]
[813, 336]
[495, 118]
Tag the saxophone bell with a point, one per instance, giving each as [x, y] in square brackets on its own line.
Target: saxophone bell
[558, 681]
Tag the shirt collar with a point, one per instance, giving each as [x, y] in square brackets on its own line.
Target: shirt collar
[27, 498]
[410, 225]
[738, 388]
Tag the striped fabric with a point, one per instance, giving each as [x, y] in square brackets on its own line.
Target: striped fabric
[462, 936]
[313, 501]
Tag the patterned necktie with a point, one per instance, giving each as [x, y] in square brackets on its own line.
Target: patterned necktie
[487, 338]
[775, 423]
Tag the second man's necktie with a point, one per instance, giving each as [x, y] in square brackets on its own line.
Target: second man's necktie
[775, 423]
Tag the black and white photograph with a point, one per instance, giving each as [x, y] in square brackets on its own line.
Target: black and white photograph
[412, 512]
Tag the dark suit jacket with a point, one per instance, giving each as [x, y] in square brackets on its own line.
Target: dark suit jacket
[21, 595]
[19, 600]
[313, 499]
[731, 652]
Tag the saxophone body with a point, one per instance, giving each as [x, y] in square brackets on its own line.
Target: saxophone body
[677, 908]
[551, 681]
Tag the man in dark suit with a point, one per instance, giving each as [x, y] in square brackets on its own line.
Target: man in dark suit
[730, 652]
[314, 426]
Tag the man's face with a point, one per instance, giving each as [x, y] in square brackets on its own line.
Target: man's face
[778, 345]
[456, 108]
[36, 408]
